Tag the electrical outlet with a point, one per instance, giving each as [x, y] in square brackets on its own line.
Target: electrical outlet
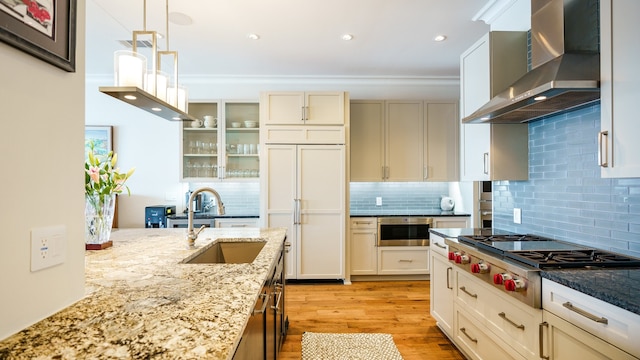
[379, 201]
[517, 216]
[48, 246]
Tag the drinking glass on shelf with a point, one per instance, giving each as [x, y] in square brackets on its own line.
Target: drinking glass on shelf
[196, 170]
[254, 173]
[192, 147]
[252, 149]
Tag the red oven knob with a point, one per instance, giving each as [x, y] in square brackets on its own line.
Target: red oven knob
[480, 268]
[452, 255]
[463, 259]
[514, 284]
[499, 279]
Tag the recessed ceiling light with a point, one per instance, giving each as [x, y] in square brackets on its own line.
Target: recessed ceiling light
[347, 37]
[253, 36]
[440, 38]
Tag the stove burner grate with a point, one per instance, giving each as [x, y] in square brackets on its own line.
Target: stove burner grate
[572, 258]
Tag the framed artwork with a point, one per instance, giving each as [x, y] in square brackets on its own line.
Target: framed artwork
[101, 137]
[45, 29]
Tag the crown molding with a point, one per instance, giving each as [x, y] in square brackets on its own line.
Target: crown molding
[493, 10]
[294, 79]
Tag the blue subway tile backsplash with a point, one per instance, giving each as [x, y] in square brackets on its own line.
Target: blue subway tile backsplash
[565, 198]
[404, 198]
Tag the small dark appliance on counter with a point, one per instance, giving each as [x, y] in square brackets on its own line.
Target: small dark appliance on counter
[198, 202]
[156, 216]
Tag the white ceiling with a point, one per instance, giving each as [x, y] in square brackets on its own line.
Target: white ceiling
[392, 38]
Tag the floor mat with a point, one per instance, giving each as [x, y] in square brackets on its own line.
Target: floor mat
[358, 346]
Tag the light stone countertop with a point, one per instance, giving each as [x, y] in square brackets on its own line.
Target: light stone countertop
[142, 303]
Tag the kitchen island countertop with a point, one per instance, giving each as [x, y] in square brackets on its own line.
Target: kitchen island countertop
[141, 302]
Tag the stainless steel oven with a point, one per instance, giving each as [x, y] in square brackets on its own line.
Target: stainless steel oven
[404, 231]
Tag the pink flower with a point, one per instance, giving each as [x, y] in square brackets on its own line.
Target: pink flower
[94, 174]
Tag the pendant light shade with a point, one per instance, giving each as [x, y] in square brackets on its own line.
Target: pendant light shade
[143, 81]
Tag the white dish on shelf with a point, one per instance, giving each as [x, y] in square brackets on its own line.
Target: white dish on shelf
[250, 123]
[236, 124]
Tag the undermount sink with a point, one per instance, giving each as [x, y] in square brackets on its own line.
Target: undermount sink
[228, 253]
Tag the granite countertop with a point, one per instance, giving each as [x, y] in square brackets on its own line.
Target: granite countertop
[141, 302]
[620, 287]
[386, 212]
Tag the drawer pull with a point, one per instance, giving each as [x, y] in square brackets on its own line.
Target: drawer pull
[586, 314]
[363, 222]
[440, 246]
[449, 269]
[464, 289]
[403, 260]
[504, 316]
[540, 339]
[464, 331]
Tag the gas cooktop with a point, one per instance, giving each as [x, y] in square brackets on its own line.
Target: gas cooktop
[548, 259]
[545, 253]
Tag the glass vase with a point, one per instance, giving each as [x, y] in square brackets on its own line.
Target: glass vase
[98, 215]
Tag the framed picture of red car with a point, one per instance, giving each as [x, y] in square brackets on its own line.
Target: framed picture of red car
[45, 29]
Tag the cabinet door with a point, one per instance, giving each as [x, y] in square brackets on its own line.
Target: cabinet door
[322, 202]
[240, 159]
[441, 292]
[476, 142]
[278, 192]
[403, 260]
[282, 108]
[324, 108]
[199, 145]
[404, 139]
[475, 77]
[441, 155]
[450, 222]
[364, 252]
[619, 145]
[564, 341]
[236, 223]
[367, 140]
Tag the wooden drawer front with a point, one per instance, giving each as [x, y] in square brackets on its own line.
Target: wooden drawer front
[437, 245]
[403, 260]
[364, 223]
[304, 134]
[478, 343]
[622, 326]
[508, 319]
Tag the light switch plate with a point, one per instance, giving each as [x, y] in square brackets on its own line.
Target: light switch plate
[517, 216]
[48, 246]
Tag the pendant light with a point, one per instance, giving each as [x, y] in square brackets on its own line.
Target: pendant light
[153, 89]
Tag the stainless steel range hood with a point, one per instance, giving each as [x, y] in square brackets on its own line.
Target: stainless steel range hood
[565, 65]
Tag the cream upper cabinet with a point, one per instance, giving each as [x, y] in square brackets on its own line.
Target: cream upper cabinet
[404, 141]
[303, 108]
[367, 140]
[441, 155]
[492, 151]
[619, 148]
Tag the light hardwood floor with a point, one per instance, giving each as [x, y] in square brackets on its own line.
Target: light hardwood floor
[399, 308]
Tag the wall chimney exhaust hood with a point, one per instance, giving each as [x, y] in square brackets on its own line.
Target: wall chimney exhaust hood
[565, 63]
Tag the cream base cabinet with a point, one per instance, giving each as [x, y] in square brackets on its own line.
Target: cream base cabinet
[363, 246]
[565, 341]
[303, 108]
[441, 285]
[305, 192]
[450, 222]
[620, 49]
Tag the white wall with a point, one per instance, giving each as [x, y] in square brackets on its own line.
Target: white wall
[41, 156]
[151, 144]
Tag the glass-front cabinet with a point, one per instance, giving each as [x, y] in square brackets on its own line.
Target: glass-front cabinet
[224, 144]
